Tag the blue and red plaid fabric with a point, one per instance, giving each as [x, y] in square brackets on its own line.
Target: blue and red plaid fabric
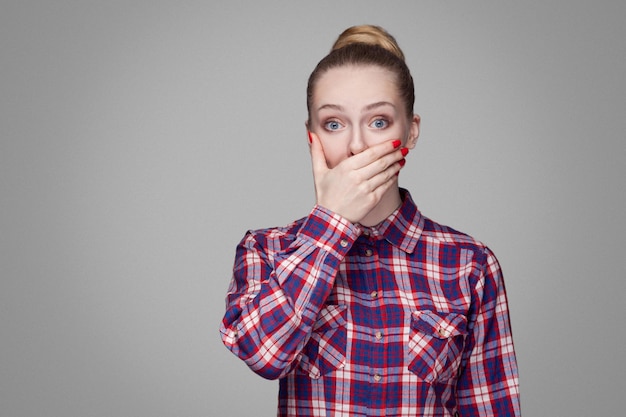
[408, 318]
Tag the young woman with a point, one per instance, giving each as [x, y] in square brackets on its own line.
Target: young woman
[366, 307]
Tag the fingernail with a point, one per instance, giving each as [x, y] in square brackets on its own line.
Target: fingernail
[310, 137]
[405, 151]
[402, 162]
[396, 143]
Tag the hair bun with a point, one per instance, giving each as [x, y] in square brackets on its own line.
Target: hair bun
[371, 35]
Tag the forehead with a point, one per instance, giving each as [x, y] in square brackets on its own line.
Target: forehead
[355, 85]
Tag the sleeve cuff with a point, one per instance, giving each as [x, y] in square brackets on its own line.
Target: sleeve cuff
[330, 231]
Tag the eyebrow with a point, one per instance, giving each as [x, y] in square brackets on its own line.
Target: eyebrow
[367, 108]
[379, 104]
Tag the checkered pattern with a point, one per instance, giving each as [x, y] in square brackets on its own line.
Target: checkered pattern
[406, 319]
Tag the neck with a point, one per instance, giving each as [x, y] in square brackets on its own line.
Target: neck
[388, 204]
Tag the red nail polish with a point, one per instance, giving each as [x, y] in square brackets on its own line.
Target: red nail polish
[402, 162]
[396, 143]
[310, 137]
[405, 151]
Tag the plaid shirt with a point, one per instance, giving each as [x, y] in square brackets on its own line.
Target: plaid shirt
[408, 318]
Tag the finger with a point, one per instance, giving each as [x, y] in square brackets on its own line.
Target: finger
[318, 158]
[392, 161]
[381, 189]
[383, 178]
[374, 153]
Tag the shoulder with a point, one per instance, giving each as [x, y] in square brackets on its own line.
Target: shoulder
[273, 238]
[457, 249]
[441, 234]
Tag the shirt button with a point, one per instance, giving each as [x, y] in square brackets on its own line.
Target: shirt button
[368, 252]
[343, 243]
[374, 294]
[442, 332]
[378, 335]
[377, 377]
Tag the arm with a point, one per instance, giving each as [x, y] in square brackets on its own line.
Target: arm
[275, 297]
[488, 385]
[277, 292]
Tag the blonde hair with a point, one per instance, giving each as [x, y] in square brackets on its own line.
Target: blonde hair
[367, 45]
[371, 35]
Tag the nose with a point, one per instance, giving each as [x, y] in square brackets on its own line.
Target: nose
[357, 142]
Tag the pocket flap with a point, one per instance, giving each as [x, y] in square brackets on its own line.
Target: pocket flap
[439, 325]
[330, 317]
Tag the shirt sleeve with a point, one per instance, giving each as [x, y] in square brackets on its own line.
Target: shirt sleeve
[488, 384]
[276, 293]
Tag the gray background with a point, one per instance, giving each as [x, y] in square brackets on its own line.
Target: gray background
[141, 139]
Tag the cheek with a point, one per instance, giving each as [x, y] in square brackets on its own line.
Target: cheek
[400, 131]
[334, 150]
[392, 133]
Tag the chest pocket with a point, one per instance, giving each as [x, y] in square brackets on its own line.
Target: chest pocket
[436, 343]
[326, 349]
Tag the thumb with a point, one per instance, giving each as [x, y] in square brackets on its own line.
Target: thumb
[318, 158]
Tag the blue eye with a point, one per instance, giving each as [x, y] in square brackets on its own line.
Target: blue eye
[332, 125]
[380, 123]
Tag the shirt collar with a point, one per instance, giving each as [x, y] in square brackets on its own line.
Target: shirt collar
[402, 228]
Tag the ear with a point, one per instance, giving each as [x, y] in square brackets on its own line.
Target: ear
[306, 124]
[414, 132]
